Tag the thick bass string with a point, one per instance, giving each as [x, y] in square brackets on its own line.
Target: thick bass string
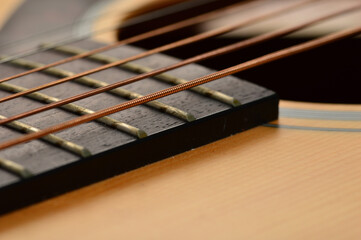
[166, 47]
[242, 44]
[193, 83]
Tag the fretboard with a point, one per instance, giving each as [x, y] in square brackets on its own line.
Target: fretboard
[122, 141]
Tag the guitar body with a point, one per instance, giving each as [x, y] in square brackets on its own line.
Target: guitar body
[297, 177]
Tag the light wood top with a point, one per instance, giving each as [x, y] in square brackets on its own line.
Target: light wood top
[266, 183]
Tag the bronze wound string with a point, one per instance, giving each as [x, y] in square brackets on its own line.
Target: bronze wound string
[94, 83]
[253, 63]
[156, 32]
[129, 22]
[207, 55]
[178, 88]
[183, 42]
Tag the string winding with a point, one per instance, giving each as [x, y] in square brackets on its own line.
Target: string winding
[186, 85]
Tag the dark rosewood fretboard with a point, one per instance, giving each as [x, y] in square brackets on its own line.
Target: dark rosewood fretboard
[122, 141]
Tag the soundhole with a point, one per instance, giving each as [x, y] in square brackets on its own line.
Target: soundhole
[329, 74]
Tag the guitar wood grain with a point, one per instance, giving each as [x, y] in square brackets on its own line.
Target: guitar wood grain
[266, 183]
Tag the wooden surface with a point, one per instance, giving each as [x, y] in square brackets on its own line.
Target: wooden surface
[7, 8]
[266, 183]
[113, 151]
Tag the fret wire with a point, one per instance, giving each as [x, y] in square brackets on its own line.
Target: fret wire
[41, 97]
[286, 52]
[15, 168]
[51, 138]
[183, 42]
[120, 92]
[137, 68]
[143, 36]
[203, 56]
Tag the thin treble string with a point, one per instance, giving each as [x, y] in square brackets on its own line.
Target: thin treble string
[107, 14]
[127, 23]
[140, 37]
[183, 42]
[201, 57]
[193, 83]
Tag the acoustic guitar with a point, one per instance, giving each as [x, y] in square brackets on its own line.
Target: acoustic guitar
[294, 177]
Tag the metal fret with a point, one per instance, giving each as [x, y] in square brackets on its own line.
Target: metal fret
[41, 97]
[136, 68]
[51, 138]
[90, 82]
[15, 168]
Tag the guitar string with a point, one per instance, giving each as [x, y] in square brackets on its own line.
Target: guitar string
[71, 107]
[299, 48]
[91, 82]
[106, 14]
[21, 170]
[173, 45]
[129, 22]
[25, 171]
[207, 55]
[143, 36]
[16, 168]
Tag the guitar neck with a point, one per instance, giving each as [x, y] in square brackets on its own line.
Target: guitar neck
[96, 150]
